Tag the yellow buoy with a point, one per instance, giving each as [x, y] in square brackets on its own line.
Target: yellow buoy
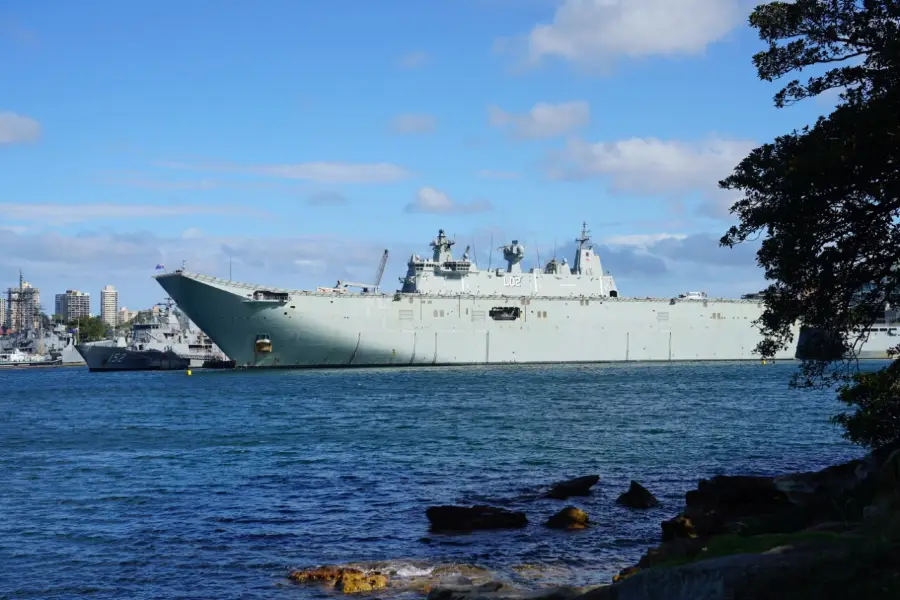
[764, 362]
[188, 371]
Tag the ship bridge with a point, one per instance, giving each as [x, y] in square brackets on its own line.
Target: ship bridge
[443, 274]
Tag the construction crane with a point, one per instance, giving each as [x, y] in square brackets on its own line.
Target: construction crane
[366, 287]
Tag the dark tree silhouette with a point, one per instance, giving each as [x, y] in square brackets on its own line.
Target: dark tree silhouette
[827, 198]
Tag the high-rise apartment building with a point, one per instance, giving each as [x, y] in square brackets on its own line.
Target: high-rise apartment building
[59, 306]
[3, 322]
[73, 305]
[109, 305]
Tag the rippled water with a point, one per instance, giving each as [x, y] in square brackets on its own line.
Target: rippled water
[216, 485]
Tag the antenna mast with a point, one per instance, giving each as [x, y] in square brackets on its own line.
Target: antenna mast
[491, 255]
[584, 235]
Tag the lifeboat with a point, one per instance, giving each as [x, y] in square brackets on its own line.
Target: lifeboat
[263, 343]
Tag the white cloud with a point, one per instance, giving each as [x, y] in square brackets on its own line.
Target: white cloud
[489, 174]
[18, 129]
[413, 60]
[650, 166]
[543, 120]
[413, 123]
[53, 261]
[642, 240]
[191, 233]
[430, 200]
[321, 171]
[597, 31]
[60, 214]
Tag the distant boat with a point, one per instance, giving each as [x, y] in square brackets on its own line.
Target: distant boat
[19, 358]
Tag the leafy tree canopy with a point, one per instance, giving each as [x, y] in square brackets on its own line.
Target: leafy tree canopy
[90, 329]
[827, 197]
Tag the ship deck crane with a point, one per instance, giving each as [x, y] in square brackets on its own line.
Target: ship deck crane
[367, 287]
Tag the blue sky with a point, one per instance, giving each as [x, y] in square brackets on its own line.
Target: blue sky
[302, 138]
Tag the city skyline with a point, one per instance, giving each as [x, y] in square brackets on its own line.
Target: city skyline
[293, 154]
[70, 304]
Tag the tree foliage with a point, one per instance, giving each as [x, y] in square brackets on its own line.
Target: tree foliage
[827, 197]
[90, 329]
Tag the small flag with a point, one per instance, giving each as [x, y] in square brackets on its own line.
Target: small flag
[158, 267]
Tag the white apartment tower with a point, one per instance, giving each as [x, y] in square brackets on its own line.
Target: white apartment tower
[109, 305]
[75, 305]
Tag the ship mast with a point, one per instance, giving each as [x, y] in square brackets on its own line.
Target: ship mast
[582, 240]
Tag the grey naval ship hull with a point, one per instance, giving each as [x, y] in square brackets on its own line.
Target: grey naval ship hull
[101, 357]
[813, 344]
[316, 329]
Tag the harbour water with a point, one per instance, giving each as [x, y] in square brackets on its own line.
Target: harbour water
[160, 485]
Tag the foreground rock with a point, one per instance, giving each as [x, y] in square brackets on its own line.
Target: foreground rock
[637, 496]
[735, 532]
[569, 518]
[496, 590]
[470, 518]
[785, 572]
[580, 486]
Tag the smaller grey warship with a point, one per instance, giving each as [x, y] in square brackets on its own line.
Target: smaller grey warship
[168, 342]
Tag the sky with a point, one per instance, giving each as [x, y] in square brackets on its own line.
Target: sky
[289, 143]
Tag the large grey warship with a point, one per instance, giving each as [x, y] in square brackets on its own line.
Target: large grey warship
[450, 312]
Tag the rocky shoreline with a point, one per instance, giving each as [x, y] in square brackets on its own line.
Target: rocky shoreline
[798, 535]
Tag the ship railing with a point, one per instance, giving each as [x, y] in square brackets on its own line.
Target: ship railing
[626, 299]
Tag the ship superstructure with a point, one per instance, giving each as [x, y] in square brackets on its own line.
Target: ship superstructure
[448, 311]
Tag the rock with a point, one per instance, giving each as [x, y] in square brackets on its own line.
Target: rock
[679, 527]
[498, 591]
[469, 518]
[354, 582]
[345, 579]
[741, 494]
[829, 527]
[735, 504]
[823, 487]
[568, 518]
[460, 592]
[580, 486]
[321, 574]
[637, 496]
[785, 572]
[675, 550]
[887, 491]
